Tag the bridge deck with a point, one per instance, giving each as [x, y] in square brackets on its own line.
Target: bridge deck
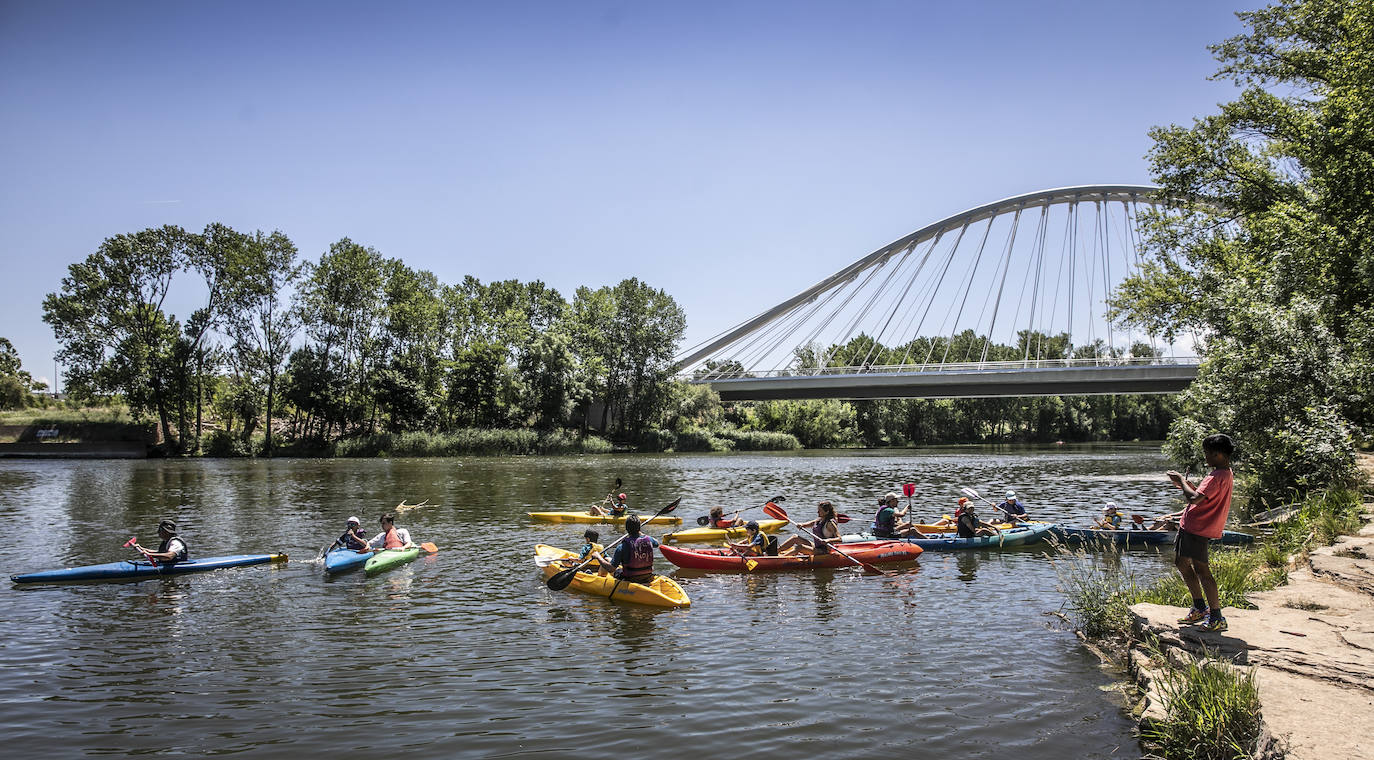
[967, 383]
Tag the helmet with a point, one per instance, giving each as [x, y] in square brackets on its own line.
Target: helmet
[963, 500]
[620, 496]
[1011, 494]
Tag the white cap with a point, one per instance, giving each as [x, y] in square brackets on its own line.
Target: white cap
[1110, 506]
[1011, 494]
[354, 520]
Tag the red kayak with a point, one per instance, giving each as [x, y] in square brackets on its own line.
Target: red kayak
[727, 561]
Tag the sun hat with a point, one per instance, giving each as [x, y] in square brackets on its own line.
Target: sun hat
[168, 526]
[353, 521]
[890, 496]
[1111, 507]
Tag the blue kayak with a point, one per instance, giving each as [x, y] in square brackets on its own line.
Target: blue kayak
[1018, 536]
[343, 560]
[1141, 537]
[116, 571]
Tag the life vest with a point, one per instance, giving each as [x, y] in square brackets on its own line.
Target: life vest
[182, 554]
[350, 540]
[587, 550]
[640, 559]
[885, 523]
[825, 529]
[768, 545]
[392, 541]
[725, 523]
[619, 509]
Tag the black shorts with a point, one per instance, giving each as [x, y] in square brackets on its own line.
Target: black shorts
[1192, 546]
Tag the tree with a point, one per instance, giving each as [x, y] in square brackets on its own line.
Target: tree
[109, 322]
[1276, 232]
[260, 322]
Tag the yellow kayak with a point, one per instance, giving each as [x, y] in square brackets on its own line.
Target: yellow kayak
[587, 517]
[711, 535]
[662, 592]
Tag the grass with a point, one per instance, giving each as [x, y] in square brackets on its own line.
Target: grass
[1213, 713]
[58, 415]
[1099, 593]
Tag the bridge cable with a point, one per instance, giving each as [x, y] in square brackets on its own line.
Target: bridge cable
[931, 302]
[1006, 269]
[967, 289]
[878, 339]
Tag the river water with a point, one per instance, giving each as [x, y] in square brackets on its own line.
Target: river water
[466, 653]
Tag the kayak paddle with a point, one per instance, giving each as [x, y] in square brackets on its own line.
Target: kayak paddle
[778, 513]
[429, 547]
[133, 542]
[560, 580]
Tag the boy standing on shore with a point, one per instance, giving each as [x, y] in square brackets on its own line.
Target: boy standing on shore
[1209, 504]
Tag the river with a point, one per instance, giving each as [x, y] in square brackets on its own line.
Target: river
[467, 654]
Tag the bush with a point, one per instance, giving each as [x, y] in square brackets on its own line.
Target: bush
[696, 439]
[222, 443]
[1319, 519]
[1213, 713]
[760, 440]
[655, 440]
[1097, 591]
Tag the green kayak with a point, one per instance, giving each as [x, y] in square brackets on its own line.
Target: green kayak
[385, 560]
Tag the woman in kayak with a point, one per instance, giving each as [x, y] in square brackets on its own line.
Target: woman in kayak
[825, 527]
[353, 537]
[885, 523]
[968, 524]
[618, 506]
[172, 548]
[633, 560]
[391, 536]
[718, 519]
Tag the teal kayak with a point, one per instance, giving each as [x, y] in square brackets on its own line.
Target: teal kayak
[389, 558]
[1021, 535]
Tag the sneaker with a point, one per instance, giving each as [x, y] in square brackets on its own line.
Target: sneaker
[1215, 624]
[1194, 615]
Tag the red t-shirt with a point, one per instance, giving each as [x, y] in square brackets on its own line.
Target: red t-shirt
[1207, 516]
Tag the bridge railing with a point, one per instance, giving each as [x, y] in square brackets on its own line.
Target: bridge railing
[1001, 366]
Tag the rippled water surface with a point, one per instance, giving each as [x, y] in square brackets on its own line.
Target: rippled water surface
[466, 653]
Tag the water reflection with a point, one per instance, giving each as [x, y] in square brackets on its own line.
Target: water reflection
[500, 654]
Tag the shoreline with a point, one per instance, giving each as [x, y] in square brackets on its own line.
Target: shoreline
[1309, 644]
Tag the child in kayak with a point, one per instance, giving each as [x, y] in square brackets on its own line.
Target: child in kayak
[969, 526]
[1111, 518]
[717, 519]
[391, 536]
[759, 543]
[826, 526]
[1209, 504]
[618, 506]
[352, 537]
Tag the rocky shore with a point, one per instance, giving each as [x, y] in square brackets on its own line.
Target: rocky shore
[1310, 644]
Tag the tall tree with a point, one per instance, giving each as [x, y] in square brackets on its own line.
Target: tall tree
[1272, 262]
[109, 322]
[261, 322]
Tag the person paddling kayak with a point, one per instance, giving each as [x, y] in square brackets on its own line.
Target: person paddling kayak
[718, 519]
[885, 523]
[618, 506]
[633, 560]
[172, 548]
[391, 536]
[970, 526]
[1012, 508]
[353, 537]
[826, 526]
[590, 550]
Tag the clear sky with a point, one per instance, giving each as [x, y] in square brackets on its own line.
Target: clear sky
[732, 153]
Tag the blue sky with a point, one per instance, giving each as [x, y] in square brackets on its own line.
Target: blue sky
[730, 153]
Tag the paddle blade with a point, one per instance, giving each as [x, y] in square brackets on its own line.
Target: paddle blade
[132, 540]
[908, 489]
[429, 547]
[969, 492]
[842, 517]
[751, 564]
[703, 521]
[671, 506]
[774, 511]
[560, 580]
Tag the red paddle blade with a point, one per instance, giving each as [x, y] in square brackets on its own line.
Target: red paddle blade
[132, 540]
[908, 489]
[842, 517]
[774, 511]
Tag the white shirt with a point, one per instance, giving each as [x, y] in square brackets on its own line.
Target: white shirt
[379, 541]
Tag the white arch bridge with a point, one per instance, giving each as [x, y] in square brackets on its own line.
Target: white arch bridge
[1006, 299]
